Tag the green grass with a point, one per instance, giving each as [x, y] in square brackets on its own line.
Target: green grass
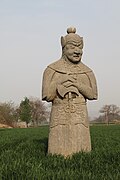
[23, 156]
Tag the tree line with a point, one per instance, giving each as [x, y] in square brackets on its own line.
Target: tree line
[30, 110]
[33, 112]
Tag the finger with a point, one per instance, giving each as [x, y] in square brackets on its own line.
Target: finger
[72, 78]
[68, 84]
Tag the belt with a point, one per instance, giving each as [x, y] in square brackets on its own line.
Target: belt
[71, 95]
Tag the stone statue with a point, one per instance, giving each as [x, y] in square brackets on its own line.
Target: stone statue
[68, 83]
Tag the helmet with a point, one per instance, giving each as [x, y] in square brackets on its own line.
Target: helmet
[71, 37]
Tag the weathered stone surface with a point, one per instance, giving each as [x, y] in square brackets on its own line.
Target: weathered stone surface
[68, 83]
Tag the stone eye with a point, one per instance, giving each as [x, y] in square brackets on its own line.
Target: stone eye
[72, 47]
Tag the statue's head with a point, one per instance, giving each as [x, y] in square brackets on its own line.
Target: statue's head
[72, 45]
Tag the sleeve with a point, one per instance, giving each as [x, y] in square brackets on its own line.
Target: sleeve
[93, 83]
[48, 85]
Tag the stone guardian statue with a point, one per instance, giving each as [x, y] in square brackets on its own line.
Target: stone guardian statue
[68, 84]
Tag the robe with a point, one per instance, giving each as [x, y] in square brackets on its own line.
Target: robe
[69, 126]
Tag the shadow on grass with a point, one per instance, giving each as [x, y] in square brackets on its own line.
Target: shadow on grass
[42, 144]
[2, 129]
[5, 129]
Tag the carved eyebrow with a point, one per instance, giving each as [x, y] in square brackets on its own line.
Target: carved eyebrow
[75, 43]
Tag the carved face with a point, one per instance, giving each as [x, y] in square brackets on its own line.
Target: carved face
[73, 52]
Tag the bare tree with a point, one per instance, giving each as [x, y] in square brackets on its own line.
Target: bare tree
[106, 110]
[8, 113]
[110, 110]
[40, 111]
[115, 110]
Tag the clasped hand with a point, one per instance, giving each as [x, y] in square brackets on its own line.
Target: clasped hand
[68, 81]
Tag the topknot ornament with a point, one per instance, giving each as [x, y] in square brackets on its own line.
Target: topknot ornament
[71, 37]
[71, 30]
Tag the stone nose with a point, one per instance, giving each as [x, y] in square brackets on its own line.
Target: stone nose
[78, 51]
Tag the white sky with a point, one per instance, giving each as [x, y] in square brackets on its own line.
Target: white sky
[30, 32]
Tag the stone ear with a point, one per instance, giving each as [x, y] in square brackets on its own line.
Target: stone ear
[63, 41]
[82, 41]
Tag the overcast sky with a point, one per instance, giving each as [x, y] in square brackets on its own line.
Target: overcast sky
[30, 32]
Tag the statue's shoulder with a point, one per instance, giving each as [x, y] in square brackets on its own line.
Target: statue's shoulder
[58, 66]
[55, 64]
[62, 66]
[85, 68]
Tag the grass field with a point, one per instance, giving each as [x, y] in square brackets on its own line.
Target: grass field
[23, 156]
